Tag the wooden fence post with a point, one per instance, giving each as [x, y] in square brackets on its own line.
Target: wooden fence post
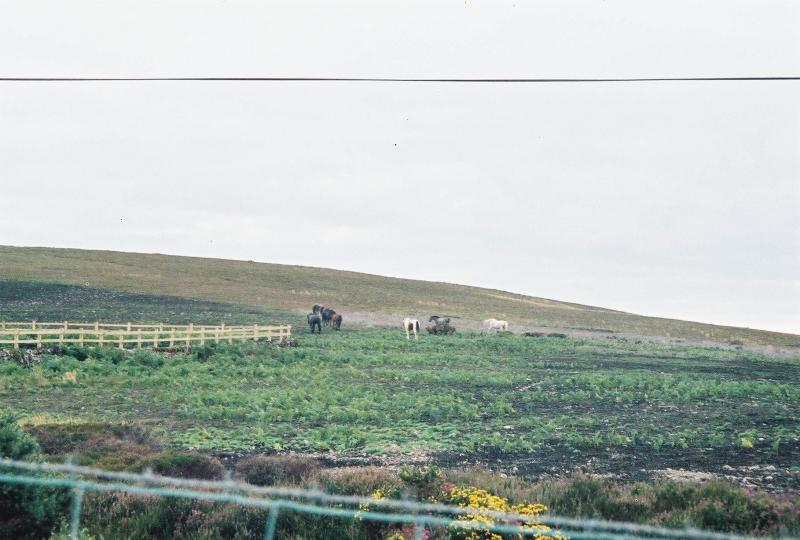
[139, 339]
[202, 335]
[80, 337]
[16, 339]
[33, 325]
[172, 338]
[99, 337]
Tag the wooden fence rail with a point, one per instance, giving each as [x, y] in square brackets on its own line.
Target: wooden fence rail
[134, 335]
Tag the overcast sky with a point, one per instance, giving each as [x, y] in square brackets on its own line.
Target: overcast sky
[671, 199]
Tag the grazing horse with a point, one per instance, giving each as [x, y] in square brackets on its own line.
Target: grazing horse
[327, 315]
[317, 308]
[494, 324]
[336, 321]
[411, 326]
[439, 320]
[314, 320]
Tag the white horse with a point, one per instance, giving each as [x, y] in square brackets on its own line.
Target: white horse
[411, 325]
[494, 324]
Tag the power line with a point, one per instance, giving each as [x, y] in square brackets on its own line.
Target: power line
[398, 80]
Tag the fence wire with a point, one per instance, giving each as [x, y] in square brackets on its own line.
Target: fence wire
[315, 502]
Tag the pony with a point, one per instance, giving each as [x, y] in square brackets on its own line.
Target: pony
[317, 308]
[327, 315]
[411, 326]
[314, 320]
[439, 320]
[494, 324]
[336, 321]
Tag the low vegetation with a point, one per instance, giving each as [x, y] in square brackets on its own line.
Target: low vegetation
[25, 512]
[602, 428]
[541, 405]
[712, 505]
[275, 286]
[46, 301]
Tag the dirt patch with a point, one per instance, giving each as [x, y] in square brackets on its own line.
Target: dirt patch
[681, 475]
[776, 472]
[772, 473]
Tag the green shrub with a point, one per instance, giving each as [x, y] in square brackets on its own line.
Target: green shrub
[25, 512]
[148, 359]
[184, 465]
[272, 470]
[78, 353]
[204, 352]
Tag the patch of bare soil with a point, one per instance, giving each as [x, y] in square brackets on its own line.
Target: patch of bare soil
[776, 473]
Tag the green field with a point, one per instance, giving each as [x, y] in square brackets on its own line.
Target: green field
[535, 413]
[537, 404]
[540, 405]
[296, 288]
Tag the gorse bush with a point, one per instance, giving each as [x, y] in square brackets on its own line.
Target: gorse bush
[25, 511]
[476, 523]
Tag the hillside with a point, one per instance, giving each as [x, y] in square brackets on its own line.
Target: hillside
[285, 287]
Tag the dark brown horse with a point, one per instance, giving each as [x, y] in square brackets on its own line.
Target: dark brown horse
[327, 315]
[314, 321]
[337, 321]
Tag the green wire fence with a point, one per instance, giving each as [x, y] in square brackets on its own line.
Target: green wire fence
[315, 502]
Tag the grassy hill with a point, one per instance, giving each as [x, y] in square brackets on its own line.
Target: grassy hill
[291, 288]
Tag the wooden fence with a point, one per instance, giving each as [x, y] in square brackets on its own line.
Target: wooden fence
[132, 335]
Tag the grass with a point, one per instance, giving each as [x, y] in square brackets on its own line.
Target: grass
[283, 287]
[534, 403]
[540, 406]
[46, 301]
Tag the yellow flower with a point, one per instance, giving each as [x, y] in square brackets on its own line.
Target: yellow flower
[474, 525]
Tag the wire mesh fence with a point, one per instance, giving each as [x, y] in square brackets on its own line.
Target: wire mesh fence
[420, 515]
